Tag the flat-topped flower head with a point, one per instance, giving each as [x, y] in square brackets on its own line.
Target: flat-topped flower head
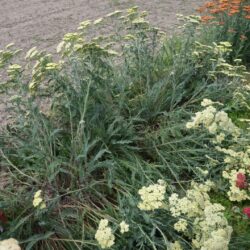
[9, 244]
[104, 235]
[38, 201]
[124, 227]
[152, 196]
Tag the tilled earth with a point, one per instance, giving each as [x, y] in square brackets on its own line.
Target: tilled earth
[42, 23]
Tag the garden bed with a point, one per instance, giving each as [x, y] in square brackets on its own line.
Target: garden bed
[144, 142]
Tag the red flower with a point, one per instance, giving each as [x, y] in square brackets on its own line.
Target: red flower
[241, 181]
[3, 218]
[246, 211]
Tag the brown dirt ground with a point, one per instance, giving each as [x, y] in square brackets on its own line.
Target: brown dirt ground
[42, 23]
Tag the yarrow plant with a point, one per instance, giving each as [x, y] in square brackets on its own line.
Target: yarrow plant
[38, 201]
[218, 66]
[181, 225]
[152, 196]
[210, 229]
[124, 227]
[9, 244]
[175, 246]
[221, 127]
[216, 122]
[104, 234]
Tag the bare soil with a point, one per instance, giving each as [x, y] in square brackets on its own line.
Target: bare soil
[42, 23]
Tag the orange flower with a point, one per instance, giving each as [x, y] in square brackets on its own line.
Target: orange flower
[215, 11]
[223, 9]
[235, 7]
[236, 1]
[206, 18]
[209, 4]
[246, 8]
[247, 17]
[232, 12]
[224, 5]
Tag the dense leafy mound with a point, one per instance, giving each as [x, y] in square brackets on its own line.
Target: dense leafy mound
[103, 137]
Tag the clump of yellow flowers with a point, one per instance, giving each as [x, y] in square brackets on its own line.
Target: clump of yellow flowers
[104, 234]
[216, 122]
[124, 227]
[9, 244]
[152, 196]
[181, 225]
[175, 246]
[38, 200]
[237, 157]
[209, 225]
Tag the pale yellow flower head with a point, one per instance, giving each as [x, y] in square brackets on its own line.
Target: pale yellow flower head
[124, 227]
[175, 246]
[104, 235]
[38, 200]
[9, 244]
[181, 225]
[152, 196]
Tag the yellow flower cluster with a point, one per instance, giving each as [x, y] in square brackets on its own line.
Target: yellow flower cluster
[218, 241]
[175, 246]
[124, 227]
[218, 53]
[209, 225]
[233, 157]
[152, 196]
[220, 125]
[32, 54]
[14, 71]
[52, 66]
[216, 122]
[229, 70]
[9, 244]
[38, 200]
[205, 118]
[39, 71]
[181, 225]
[235, 193]
[104, 235]
[193, 204]
[206, 102]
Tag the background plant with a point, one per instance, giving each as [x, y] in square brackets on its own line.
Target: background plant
[229, 20]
